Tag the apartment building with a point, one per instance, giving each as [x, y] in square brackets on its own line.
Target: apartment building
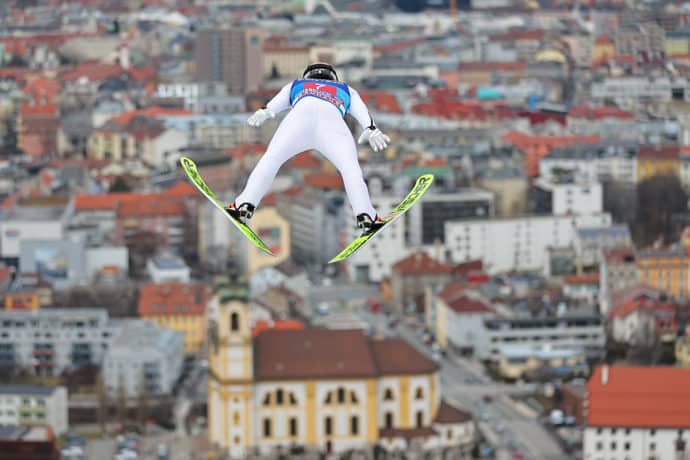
[34, 405]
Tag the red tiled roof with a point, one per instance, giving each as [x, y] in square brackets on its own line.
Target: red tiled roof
[94, 71]
[150, 207]
[395, 356]
[181, 188]
[590, 278]
[324, 180]
[659, 152]
[520, 34]
[241, 150]
[484, 66]
[448, 414]
[42, 87]
[304, 160]
[636, 291]
[173, 299]
[5, 272]
[453, 295]
[619, 255]
[381, 100]
[326, 353]
[597, 113]
[465, 268]
[312, 352]
[83, 201]
[621, 310]
[29, 108]
[420, 263]
[637, 396]
[279, 324]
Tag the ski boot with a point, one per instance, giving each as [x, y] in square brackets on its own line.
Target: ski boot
[241, 213]
[367, 225]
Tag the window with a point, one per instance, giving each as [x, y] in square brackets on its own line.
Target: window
[234, 322]
[420, 419]
[652, 432]
[388, 395]
[267, 428]
[293, 426]
[328, 426]
[279, 397]
[267, 399]
[613, 445]
[626, 446]
[236, 418]
[341, 395]
[627, 431]
[419, 394]
[353, 398]
[389, 420]
[600, 445]
[450, 434]
[613, 431]
[354, 425]
[652, 446]
[293, 400]
[328, 398]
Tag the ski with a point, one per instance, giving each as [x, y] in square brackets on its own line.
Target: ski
[421, 185]
[193, 173]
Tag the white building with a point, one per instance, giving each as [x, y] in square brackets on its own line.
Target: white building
[568, 198]
[590, 242]
[144, 357]
[48, 341]
[166, 267]
[22, 223]
[637, 413]
[629, 89]
[34, 405]
[519, 243]
[616, 160]
[286, 273]
[568, 331]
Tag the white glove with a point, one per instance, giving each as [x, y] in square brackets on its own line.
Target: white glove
[377, 140]
[259, 117]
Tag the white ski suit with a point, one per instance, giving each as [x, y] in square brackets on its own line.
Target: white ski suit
[315, 122]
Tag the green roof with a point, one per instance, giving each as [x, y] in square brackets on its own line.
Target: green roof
[416, 171]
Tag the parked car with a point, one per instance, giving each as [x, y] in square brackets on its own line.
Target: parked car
[518, 455]
[487, 398]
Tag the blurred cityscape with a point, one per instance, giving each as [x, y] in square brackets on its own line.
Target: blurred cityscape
[533, 305]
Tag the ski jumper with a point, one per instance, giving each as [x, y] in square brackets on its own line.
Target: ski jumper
[315, 122]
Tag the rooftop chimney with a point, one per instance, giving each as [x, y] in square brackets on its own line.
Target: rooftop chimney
[605, 375]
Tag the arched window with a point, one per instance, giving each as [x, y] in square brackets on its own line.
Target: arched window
[328, 398]
[267, 399]
[234, 321]
[279, 397]
[388, 395]
[419, 394]
[420, 419]
[293, 400]
[353, 398]
[267, 428]
[293, 426]
[341, 395]
[388, 423]
[354, 425]
[328, 426]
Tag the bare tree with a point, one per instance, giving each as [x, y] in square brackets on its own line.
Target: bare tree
[102, 402]
[143, 401]
[121, 399]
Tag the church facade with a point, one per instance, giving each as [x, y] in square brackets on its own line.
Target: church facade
[335, 390]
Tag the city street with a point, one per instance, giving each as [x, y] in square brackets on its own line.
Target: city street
[465, 383]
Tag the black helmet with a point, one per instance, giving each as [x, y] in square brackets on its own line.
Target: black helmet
[320, 71]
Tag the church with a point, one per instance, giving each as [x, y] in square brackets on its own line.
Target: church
[333, 390]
